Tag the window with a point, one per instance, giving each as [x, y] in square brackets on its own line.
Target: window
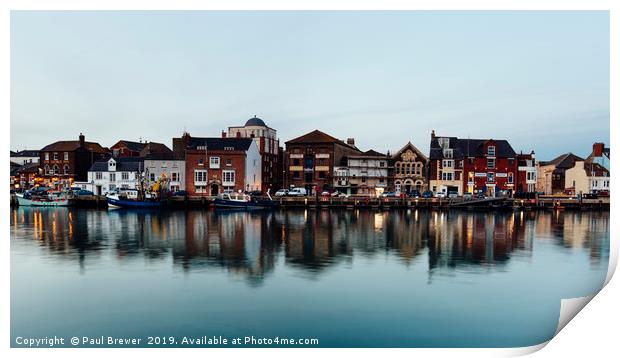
[296, 175]
[200, 189]
[363, 179]
[296, 162]
[447, 163]
[56, 170]
[201, 161]
[446, 176]
[490, 177]
[200, 176]
[112, 186]
[66, 155]
[214, 162]
[470, 177]
[382, 164]
[174, 176]
[66, 170]
[228, 162]
[447, 153]
[444, 142]
[98, 175]
[491, 163]
[510, 178]
[55, 156]
[112, 177]
[228, 177]
[321, 175]
[152, 176]
[125, 176]
[491, 151]
[47, 156]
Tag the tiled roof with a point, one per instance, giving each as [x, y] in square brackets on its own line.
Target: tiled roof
[595, 169]
[71, 145]
[316, 136]
[132, 146]
[564, 161]
[467, 147]
[25, 153]
[128, 164]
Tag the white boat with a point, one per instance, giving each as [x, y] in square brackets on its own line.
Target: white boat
[41, 201]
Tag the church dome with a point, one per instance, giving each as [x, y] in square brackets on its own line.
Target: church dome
[255, 121]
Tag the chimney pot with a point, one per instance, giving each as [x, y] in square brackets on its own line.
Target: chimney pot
[223, 134]
[351, 141]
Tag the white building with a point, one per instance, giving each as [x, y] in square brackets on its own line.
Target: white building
[163, 168]
[114, 173]
[25, 157]
[587, 177]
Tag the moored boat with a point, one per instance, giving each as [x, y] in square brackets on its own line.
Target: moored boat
[242, 201]
[41, 201]
[116, 202]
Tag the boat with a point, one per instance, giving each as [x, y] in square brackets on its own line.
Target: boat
[242, 201]
[115, 201]
[41, 201]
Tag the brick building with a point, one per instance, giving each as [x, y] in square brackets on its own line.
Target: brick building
[213, 165]
[63, 162]
[311, 158]
[551, 175]
[474, 166]
[408, 170]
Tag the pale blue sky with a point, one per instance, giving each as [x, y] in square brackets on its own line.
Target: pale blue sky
[538, 79]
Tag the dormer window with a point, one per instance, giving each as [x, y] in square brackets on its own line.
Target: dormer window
[444, 142]
[491, 151]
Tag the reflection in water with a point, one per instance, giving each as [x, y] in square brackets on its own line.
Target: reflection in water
[248, 244]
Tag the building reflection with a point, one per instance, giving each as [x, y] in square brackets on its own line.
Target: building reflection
[251, 245]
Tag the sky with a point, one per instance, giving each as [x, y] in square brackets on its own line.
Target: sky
[537, 79]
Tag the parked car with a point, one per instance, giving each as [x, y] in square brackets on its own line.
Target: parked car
[453, 195]
[468, 195]
[440, 194]
[427, 194]
[281, 192]
[298, 192]
[180, 193]
[480, 195]
[255, 193]
[388, 194]
[414, 194]
[83, 192]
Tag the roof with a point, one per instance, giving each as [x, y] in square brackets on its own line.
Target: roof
[152, 148]
[563, 161]
[255, 121]
[71, 145]
[368, 153]
[132, 146]
[25, 153]
[28, 168]
[462, 148]
[595, 169]
[410, 146]
[217, 143]
[127, 164]
[316, 136]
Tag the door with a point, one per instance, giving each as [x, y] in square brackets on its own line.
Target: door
[214, 190]
[98, 190]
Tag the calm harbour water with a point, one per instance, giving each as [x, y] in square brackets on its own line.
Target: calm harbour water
[348, 278]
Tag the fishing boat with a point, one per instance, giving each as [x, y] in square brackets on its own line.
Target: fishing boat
[242, 201]
[25, 200]
[116, 201]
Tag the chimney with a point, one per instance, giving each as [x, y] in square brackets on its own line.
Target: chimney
[223, 134]
[82, 141]
[351, 141]
[597, 149]
[433, 134]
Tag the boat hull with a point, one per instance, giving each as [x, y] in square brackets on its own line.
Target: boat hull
[132, 204]
[244, 205]
[38, 202]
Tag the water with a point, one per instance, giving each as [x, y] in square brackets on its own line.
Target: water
[347, 278]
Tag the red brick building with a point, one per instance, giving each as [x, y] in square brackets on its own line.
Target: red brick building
[213, 165]
[125, 148]
[311, 158]
[66, 161]
[473, 166]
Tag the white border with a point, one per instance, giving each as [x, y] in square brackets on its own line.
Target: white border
[594, 331]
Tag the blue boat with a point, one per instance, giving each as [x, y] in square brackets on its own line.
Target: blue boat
[116, 202]
[242, 201]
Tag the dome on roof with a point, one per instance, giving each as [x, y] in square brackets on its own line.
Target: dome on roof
[255, 121]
